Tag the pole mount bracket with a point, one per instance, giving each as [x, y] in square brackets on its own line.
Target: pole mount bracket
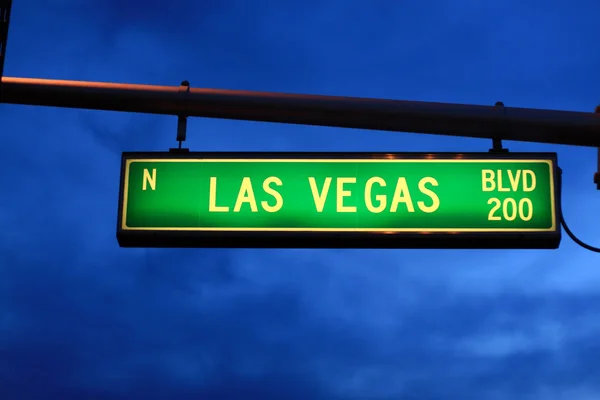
[597, 174]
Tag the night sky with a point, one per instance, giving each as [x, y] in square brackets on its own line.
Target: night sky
[81, 318]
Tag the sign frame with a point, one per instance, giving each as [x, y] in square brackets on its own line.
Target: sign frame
[549, 239]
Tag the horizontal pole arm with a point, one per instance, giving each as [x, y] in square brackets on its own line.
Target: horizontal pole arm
[507, 123]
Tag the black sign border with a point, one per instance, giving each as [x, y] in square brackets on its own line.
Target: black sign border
[340, 240]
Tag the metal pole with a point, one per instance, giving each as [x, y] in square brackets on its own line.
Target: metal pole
[505, 123]
[5, 7]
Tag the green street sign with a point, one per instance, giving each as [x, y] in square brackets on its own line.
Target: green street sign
[339, 200]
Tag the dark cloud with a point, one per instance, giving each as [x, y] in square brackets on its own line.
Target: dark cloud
[127, 329]
[139, 131]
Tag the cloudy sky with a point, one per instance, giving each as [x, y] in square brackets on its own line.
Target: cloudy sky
[81, 318]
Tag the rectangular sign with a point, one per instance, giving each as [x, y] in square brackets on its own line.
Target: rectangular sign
[339, 200]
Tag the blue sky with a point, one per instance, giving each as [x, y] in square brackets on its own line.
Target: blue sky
[82, 318]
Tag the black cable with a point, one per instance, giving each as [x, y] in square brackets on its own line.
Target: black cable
[564, 224]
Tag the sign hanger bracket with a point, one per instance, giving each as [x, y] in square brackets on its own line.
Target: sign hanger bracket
[497, 139]
[184, 87]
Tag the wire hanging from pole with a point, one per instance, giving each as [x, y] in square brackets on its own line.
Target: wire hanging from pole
[564, 223]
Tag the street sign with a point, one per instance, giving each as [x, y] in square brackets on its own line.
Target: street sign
[339, 200]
